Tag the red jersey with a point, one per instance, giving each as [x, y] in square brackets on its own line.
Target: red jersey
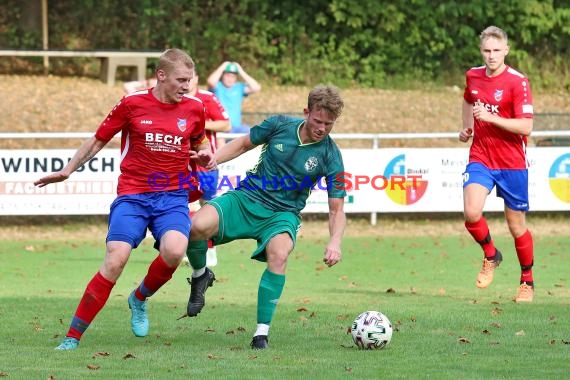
[214, 112]
[507, 95]
[155, 141]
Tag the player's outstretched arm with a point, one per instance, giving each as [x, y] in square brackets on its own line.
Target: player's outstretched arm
[218, 125]
[234, 149]
[85, 152]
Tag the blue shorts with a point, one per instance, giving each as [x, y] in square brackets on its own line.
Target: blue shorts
[512, 184]
[132, 214]
[208, 184]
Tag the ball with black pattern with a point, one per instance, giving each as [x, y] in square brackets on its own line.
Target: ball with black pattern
[371, 330]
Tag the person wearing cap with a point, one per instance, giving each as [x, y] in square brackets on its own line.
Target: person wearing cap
[224, 83]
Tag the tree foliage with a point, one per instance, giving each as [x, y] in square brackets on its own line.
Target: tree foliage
[367, 42]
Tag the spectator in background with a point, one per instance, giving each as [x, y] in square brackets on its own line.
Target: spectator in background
[162, 129]
[224, 83]
[498, 113]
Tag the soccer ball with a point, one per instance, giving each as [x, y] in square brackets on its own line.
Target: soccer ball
[371, 330]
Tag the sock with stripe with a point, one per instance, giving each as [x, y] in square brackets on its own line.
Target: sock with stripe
[270, 288]
[158, 274]
[480, 232]
[525, 253]
[94, 298]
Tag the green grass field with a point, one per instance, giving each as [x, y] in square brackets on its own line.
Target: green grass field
[445, 328]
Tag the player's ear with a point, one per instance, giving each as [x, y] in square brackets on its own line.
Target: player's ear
[507, 50]
[160, 75]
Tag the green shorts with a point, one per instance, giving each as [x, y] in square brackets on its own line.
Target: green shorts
[241, 218]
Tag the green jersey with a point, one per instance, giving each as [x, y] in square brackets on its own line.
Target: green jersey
[288, 170]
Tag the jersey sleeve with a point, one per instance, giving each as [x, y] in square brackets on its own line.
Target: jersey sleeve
[522, 98]
[198, 135]
[261, 133]
[214, 109]
[115, 121]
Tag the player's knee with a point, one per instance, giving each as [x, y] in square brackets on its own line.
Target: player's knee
[517, 229]
[278, 249]
[172, 252]
[277, 261]
[472, 215]
[204, 223]
[112, 269]
[200, 230]
[173, 257]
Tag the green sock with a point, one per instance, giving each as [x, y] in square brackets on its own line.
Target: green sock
[196, 253]
[270, 288]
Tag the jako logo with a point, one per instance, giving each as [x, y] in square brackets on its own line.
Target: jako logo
[146, 122]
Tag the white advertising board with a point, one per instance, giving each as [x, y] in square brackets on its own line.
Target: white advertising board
[377, 180]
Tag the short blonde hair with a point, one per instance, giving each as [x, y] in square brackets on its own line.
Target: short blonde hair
[493, 32]
[172, 57]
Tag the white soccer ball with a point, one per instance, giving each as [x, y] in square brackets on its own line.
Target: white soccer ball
[371, 330]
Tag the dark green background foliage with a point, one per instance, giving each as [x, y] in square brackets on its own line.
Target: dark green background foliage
[366, 42]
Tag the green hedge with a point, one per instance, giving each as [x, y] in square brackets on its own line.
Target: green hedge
[366, 42]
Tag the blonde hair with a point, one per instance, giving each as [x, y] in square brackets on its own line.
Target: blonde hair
[326, 98]
[172, 57]
[493, 32]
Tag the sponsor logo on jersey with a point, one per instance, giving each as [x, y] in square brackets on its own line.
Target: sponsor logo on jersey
[146, 122]
[493, 108]
[498, 95]
[181, 124]
[311, 164]
[163, 138]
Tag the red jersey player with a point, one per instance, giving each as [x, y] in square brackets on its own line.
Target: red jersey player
[497, 113]
[161, 130]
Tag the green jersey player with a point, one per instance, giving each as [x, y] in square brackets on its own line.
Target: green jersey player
[297, 156]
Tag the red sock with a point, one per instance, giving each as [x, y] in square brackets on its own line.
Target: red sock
[210, 243]
[525, 253]
[158, 274]
[94, 298]
[480, 232]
